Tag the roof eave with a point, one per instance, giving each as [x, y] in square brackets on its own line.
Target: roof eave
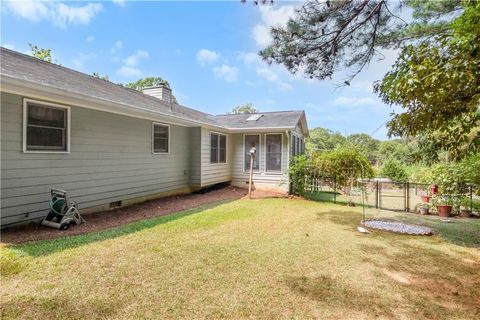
[48, 93]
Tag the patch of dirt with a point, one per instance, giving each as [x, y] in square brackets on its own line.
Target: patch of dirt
[398, 276]
[115, 218]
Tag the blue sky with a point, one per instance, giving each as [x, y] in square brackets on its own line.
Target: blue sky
[206, 50]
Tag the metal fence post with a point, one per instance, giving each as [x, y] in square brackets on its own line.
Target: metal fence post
[471, 198]
[334, 189]
[376, 194]
[407, 198]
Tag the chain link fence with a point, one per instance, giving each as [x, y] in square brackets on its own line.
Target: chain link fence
[381, 194]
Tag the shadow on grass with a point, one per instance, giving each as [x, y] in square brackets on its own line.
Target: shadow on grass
[339, 294]
[438, 283]
[461, 232]
[46, 247]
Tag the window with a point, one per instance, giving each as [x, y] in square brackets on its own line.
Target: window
[218, 148]
[46, 127]
[298, 145]
[274, 152]
[161, 138]
[295, 145]
[249, 141]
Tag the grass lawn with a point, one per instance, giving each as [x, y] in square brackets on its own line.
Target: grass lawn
[270, 258]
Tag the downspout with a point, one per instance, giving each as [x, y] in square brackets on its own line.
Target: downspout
[289, 145]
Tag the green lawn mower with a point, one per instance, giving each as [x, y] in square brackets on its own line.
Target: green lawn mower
[63, 212]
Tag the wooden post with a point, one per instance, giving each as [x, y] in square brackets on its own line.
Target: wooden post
[251, 174]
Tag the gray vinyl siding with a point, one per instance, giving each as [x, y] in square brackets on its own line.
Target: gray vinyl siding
[195, 156]
[262, 179]
[213, 173]
[111, 159]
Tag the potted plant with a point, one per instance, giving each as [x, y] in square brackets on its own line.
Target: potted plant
[422, 208]
[464, 206]
[426, 197]
[444, 204]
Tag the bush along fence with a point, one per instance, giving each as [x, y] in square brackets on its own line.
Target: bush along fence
[306, 180]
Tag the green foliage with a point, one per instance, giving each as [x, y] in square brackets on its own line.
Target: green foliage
[449, 177]
[246, 108]
[97, 75]
[437, 84]
[10, 262]
[298, 170]
[147, 82]
[326, 36]
[322, 139]
[367, 145]
[397, 149]
[345, 164]
[42, 53]
[471, 169]
[394, 170]
[150, 82]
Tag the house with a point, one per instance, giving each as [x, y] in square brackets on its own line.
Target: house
[111, 146]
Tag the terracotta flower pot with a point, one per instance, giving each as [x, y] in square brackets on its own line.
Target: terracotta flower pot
[444, 210]
[426, 199]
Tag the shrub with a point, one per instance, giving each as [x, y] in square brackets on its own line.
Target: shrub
[298, 169]
[449, 177]
[346, 164]
[394, 170]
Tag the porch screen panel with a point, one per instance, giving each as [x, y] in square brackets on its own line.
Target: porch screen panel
[274, 152]
[249, 142]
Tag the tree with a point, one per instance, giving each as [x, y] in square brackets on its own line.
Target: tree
[150, 82]
[42, 53]
[323, 139]
[246, 108]
[345, 164]
[394, 170]
[97, 75]
[398, 149]
[437, 83]
[367, 145]
[325, 36]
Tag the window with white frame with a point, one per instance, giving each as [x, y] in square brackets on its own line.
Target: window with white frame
[273, 154]
[161, 138]
[251, 141]
[46, 127]
[218, 148]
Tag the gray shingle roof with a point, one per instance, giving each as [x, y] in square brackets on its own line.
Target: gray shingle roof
[279, 119]
[26, 68]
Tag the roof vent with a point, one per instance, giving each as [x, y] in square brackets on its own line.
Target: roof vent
[161, 92]
[254, 117]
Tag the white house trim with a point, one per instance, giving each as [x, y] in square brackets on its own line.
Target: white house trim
[49, 104]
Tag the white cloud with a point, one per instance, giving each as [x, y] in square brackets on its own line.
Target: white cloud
[90, 39]
[117, 46]
[205, 56]
[121, 3]
[226, 72]
[250, 58]
[129, 72]
[269, 75]
[270, 16]
[354, 102]
[135, 58]
[57, 13]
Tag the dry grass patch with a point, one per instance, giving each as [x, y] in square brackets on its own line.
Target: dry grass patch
[271, 258]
